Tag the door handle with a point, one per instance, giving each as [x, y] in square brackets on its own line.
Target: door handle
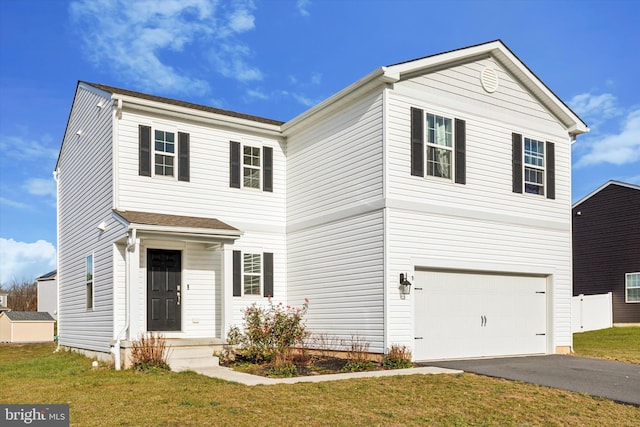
[178, 297]
[483, 320]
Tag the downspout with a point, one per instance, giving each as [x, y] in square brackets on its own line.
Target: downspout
[56, 179]
[131, 244]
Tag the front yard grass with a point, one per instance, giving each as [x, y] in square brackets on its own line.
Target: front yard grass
[621, 344]
[105, 397]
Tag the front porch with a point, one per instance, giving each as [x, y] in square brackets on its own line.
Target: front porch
[175, 280]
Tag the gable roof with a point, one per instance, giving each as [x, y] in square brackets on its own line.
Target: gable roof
[602, 187]
[25, 316]
[150, 221]
[495, 49]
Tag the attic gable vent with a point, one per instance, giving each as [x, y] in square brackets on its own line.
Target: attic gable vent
[489, 79]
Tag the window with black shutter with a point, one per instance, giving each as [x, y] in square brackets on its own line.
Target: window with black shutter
[438, 146]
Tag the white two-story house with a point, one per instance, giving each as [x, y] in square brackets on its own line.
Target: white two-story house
[428, 204]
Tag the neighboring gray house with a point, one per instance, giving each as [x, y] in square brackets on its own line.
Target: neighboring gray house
[449, 172]
[48, 293]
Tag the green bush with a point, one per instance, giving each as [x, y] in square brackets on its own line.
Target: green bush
[269, 331]
[358, 366]
[286, 370]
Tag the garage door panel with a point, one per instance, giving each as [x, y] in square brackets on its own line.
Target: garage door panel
[460, 314]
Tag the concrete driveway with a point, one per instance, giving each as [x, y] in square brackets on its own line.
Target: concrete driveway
[617, 381]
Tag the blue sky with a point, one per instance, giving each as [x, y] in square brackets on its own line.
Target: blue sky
[276, 58]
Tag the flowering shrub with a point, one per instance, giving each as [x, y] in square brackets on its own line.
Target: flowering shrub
[269, 331]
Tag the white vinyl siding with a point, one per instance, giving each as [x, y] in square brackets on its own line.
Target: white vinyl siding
[207, 193]
[339, 266]
[335, 242]
[438, 219]
[85, 180]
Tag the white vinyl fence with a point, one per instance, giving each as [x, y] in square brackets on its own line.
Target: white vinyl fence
[591, 312]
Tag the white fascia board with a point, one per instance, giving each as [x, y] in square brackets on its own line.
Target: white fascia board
[194, 114]
[574, 124]
[186, 231]
[380, 76]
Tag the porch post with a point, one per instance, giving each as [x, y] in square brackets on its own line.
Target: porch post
[227, 289]
[136, 297]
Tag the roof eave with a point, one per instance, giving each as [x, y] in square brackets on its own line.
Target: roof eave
[193, 114]
[378, 77]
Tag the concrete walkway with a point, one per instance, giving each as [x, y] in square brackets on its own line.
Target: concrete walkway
[228, 374]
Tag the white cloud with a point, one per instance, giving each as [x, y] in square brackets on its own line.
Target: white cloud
[617, 148]
[13, 203]
[25, 148]
[25, 261]
[596, 109]
[40, 187]
[241, 20]
[303, 7]
[134, 37]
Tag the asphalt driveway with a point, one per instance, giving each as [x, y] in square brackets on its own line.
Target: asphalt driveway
[617, 381]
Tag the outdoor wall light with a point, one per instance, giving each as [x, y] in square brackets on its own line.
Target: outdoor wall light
[405, 284]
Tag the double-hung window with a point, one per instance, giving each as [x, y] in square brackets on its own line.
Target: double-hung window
[632, 287]
[533, 166]
[89, 281]
[438, 146]
[252, 268]
[251, 167]
[164, 153]
[252, 274]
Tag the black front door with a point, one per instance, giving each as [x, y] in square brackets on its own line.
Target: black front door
[163, 290]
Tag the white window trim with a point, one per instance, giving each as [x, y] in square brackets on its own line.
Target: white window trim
[427, 144]
[261, 274]
[626, 288]
[526, 165]
[166, 129]
[93, 282]
[260, 168]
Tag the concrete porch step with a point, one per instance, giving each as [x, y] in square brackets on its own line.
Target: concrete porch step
[184, 357]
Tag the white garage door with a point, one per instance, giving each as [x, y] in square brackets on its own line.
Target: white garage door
[461, 315]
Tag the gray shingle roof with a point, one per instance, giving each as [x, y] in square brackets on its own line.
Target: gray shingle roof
[22, 316]
[115, 90]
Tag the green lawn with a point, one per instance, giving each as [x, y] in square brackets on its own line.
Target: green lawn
[622, 344]
[104, 397]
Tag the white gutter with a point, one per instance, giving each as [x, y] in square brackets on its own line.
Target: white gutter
[55, 178]
[131, 243]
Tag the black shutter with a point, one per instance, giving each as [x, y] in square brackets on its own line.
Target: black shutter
[268, 168]
[551, 170]
[461, 152]
[183, 156]
[234, 165]
[237, 273]
[516, 141]
[144, 150]
[417, 142]
[268, 274]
